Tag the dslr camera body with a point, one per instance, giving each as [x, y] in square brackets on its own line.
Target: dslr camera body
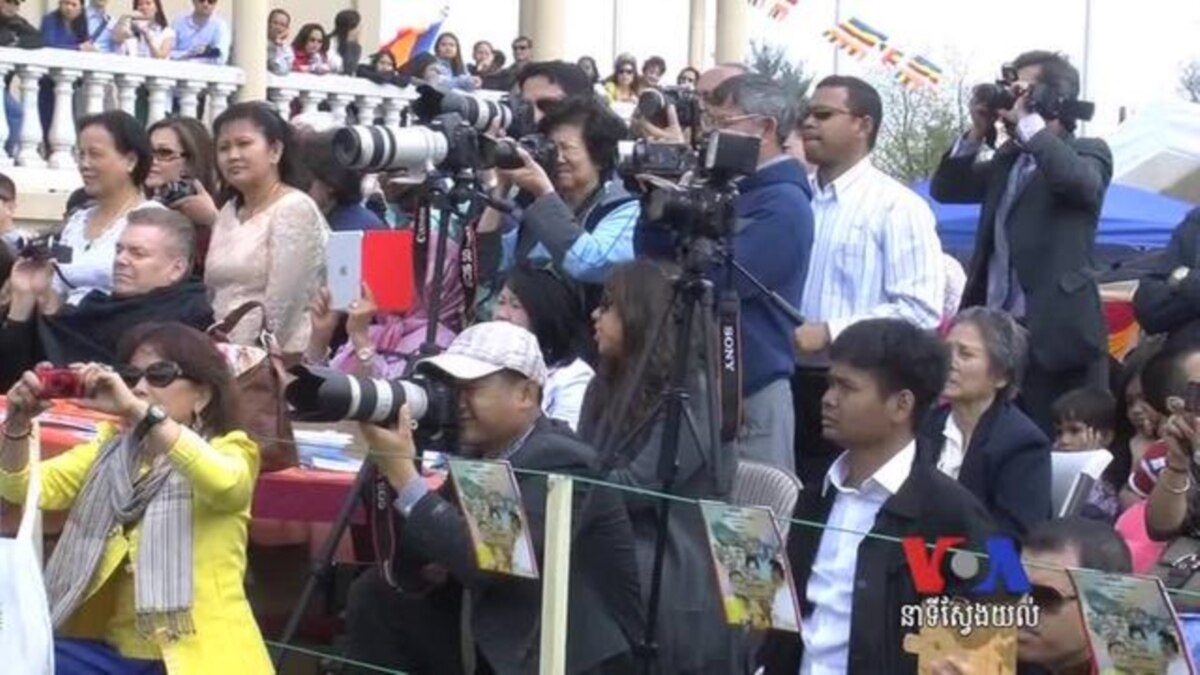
[504, 152]
[43, 249]
[652, 106]
[176, 190]
[1003, 94]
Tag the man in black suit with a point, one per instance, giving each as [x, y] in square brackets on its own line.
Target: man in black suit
[423, 626]
[1168, 298]
[1041, 193]
[884, 375]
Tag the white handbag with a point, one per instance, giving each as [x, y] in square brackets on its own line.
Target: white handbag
[26, 634]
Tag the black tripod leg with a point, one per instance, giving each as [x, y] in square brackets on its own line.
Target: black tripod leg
[323, 565]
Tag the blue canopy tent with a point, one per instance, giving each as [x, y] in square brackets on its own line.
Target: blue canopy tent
[1132, 221]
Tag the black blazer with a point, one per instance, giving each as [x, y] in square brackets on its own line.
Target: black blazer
[1052, 232]
[605, 613]
[928, 505]
[1158, 309]
[1006, 465]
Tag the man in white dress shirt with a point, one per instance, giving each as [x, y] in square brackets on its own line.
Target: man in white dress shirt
[876, 251]
[885, 373]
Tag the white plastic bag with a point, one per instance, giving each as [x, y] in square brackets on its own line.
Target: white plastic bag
[26, 635]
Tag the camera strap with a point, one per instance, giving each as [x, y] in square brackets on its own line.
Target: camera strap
[729, 373]
[420, 226]
[381, 520]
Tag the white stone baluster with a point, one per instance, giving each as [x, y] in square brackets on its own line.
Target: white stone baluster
[310, 102]
[368, 109]
[31, 126]
[5, 160]
[392, 107]
[337, 106]
[218, 100]
[160, 99]
[127, 91]
[282, 100]
[62, 125]
[95, 88]
[189, 98]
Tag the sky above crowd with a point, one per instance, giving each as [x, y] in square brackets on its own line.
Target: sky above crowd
[1136, 52]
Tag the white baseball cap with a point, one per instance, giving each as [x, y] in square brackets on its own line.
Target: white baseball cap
[488, 348]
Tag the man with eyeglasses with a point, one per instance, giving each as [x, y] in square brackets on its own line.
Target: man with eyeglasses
[1058, 645]
[202, 36]
[772, 240]
[522, 49]
[876, 252]
[152, 281]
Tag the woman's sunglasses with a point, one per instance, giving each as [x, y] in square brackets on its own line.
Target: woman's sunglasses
[158, 375]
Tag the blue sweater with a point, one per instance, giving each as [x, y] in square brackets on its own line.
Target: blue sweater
[773, 243]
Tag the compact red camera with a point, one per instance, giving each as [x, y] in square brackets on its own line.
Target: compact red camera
[60, 383]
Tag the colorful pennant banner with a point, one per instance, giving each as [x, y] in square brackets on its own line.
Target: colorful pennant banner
[858, 39]
[776, 9]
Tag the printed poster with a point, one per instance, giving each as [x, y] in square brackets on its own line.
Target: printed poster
[491, 503]
[751, 565]
[1131, 625]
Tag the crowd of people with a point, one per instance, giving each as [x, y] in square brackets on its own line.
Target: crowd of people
[908, 403]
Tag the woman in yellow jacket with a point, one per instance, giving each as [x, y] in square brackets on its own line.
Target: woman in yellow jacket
[147, 576]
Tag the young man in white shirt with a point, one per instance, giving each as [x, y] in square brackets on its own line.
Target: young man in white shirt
[885, 373]
[875, 254]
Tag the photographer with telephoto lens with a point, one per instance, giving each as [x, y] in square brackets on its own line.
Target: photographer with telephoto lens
[1043, 174]
[498, 371]
[581, 217]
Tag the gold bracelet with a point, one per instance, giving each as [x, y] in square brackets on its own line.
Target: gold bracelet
[1187, 485]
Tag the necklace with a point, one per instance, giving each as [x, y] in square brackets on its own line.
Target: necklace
[126, 207]
[248, 212]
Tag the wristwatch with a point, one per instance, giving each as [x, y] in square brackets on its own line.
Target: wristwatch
[365, 354]
[155, 415]
[1177, 277]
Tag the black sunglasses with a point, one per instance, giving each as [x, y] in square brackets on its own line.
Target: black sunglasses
[1050, 599]
[626, 71]
[158, 375]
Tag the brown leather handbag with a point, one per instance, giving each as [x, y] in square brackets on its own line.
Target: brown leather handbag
[261, 374]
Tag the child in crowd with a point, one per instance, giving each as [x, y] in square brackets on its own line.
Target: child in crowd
[1086, 419]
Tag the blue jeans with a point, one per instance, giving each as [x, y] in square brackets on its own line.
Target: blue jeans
[91, 657]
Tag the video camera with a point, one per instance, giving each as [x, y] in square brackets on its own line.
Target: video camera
[692, 194]
[1043, 100]
[446, 137]
[652, 106]
[326, 395]
[43, 249]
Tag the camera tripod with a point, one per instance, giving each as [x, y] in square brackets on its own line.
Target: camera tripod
[445, 195]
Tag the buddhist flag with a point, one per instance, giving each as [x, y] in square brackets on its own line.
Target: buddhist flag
[926, 68]
[777, 9]
[412, 40]
[850, 45]
[863, 33]
[892, 56]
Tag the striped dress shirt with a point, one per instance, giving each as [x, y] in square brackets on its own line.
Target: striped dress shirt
[876, 253]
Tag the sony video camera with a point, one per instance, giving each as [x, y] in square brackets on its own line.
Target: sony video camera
[1043, 100]
[326, 395]
[692, 194]
[43, 249]
[447, 135]
[652, 106]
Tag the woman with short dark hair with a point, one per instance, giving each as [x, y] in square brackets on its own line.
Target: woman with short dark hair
[979, 436]
[148, 573]
[114, 159]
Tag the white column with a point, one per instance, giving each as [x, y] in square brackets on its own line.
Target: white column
[127, 89]
[392, 108]
[95, 88]
[250, 47]
[337, 106]
[160, 99]
[31, 127]
[5, 160]
[281, 99]
[697, 24]
[525, 20]
[549, 31]
[62, 124]
[732, 32]
[368, 109]
[218, 100]
[189, 97]
[310, 101]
